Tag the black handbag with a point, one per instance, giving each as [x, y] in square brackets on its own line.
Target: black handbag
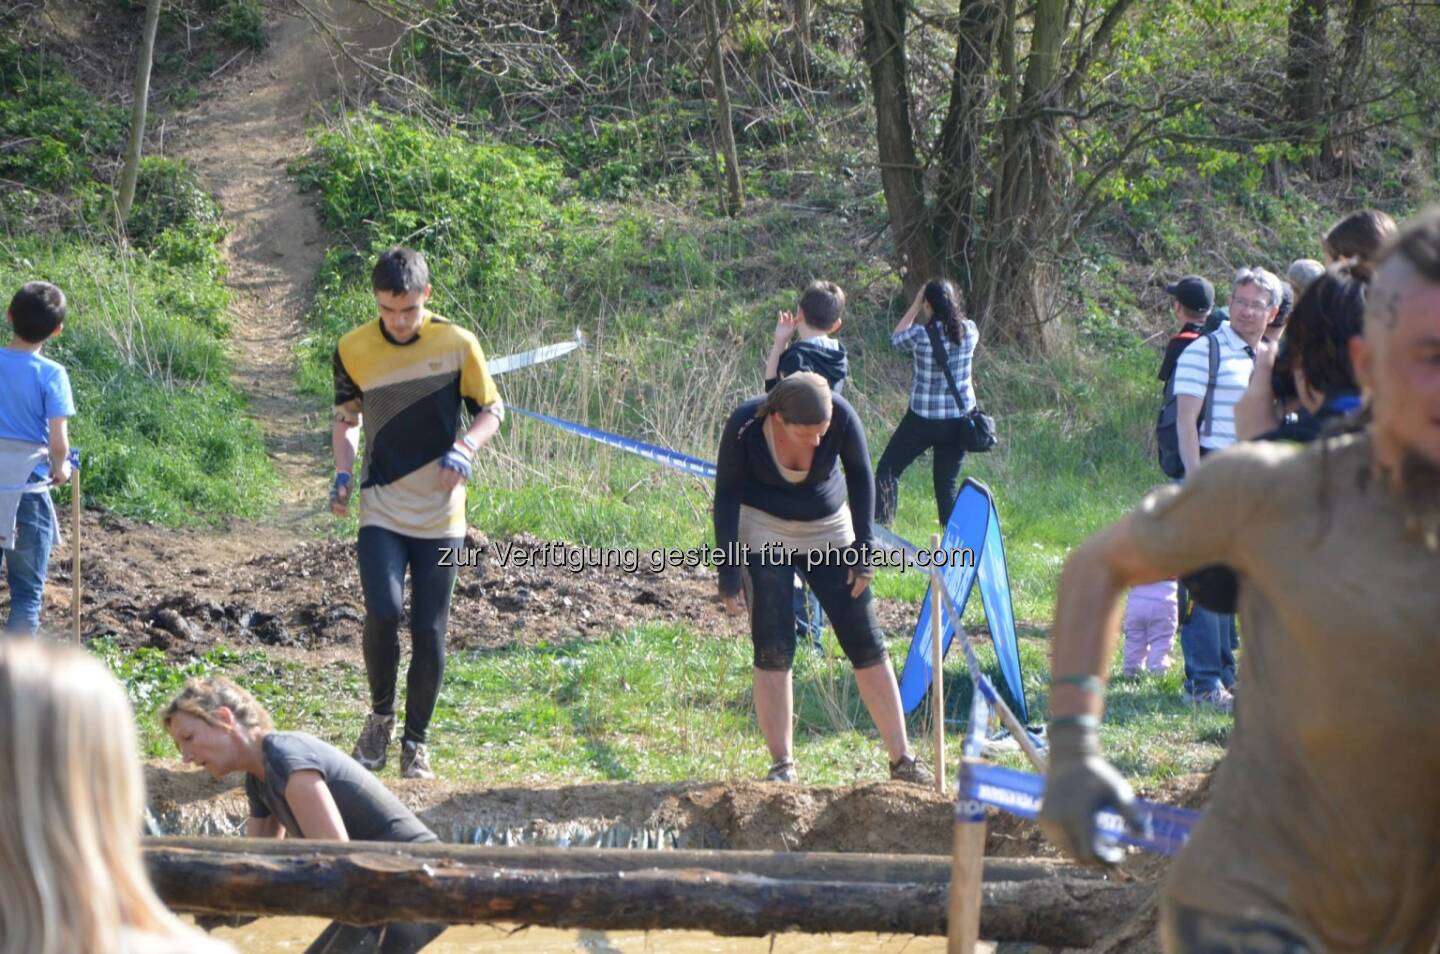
[977, 429]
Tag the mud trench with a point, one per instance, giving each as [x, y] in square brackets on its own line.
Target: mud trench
[876, 818]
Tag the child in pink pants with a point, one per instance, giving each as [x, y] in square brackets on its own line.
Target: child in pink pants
[1151, 615]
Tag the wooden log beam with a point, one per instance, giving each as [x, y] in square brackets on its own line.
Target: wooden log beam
[785, 865]
[363, 886]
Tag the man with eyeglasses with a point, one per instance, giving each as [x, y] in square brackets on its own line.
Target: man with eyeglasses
[1205, 422]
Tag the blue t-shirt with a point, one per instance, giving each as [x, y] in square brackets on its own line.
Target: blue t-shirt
[35, 389]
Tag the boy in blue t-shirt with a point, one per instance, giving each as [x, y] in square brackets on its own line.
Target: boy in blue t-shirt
[35, 404]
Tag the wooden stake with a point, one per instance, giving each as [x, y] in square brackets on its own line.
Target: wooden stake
[75, 553]
[937, 671]
[967, 867]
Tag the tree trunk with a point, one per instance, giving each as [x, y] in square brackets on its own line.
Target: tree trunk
[802, 30]
[961, 135]
[735, 198]
[137, 113]
[1346, 85]
[1016, 273]
[367, 884]
[900, 173]
[1307, 53]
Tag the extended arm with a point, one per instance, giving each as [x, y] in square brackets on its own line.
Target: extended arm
[59, 450]
[313, 806]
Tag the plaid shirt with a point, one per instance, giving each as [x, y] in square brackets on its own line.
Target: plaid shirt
[929, 391]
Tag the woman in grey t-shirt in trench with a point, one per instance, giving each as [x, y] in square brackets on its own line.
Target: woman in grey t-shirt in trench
[297, 786]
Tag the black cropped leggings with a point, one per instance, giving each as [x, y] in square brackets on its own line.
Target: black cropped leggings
[384, 555]
[772, 611]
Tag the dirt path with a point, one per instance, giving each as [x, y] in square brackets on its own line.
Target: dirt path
[250, 124]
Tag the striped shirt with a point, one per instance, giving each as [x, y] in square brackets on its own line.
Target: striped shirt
[1232, 377]
[930, 395]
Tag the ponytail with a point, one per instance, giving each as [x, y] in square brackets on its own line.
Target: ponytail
[944, 304]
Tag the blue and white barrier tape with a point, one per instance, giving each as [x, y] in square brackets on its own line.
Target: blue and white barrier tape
[658, 455]
[1021, 793]
[679, 461]
[524, 359]
[40, 486]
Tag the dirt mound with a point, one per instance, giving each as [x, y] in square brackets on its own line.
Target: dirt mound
[884, 817]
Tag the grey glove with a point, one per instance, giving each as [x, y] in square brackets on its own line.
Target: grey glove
[1079, 784]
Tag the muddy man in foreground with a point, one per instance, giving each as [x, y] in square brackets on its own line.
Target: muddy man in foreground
[1323, 828]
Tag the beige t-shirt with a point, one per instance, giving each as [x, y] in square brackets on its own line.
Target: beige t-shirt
[1325, 814]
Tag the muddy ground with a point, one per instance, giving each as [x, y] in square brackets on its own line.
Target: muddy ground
[185, 592]
[253, 586]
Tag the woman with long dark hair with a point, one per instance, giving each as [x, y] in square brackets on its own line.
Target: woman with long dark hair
[933, 420]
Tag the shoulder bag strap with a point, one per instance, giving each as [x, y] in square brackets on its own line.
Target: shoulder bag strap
[939, 347]
[1209, 405]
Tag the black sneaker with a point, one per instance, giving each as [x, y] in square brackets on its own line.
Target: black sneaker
[415, 760]
[910, 769]
[782, 771]
[374, 740]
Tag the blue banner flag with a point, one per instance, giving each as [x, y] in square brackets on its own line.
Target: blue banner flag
[971, 549]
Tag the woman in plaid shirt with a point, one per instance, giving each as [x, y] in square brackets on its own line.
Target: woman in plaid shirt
[933, 419]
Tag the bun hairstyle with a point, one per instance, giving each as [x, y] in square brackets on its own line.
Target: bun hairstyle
[802, 398]
[944, 302]
[200, 697]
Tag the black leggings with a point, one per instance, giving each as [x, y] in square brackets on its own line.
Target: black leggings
[383, 558]
[913, 437]
[772, 611]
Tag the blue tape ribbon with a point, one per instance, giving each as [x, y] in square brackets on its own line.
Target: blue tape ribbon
[1021, 793]
[40, 486]
[659, 455]
[679, 461]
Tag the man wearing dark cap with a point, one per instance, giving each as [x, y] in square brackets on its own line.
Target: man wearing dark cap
[1194, 297]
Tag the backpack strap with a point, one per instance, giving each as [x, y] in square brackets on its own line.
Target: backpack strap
[939, 346]
[1205, 412]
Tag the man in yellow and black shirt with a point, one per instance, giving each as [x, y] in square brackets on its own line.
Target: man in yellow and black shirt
[404, 376]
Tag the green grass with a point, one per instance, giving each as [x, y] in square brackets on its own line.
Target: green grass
[162, 434]
[657, 703]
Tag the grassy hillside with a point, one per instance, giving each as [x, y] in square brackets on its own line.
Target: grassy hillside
[162, 434]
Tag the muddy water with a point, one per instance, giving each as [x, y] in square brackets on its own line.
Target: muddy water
[292, 935]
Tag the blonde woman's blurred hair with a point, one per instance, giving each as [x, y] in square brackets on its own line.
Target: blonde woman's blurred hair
[72, 800]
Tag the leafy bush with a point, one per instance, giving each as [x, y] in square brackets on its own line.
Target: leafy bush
[175, 218]
[52, 129]
[485, 209]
